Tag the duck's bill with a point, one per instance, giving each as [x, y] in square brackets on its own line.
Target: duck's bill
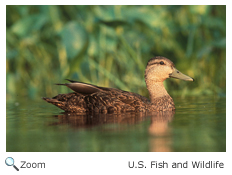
[179, 75]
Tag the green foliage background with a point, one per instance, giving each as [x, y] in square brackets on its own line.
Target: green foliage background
[110, 46]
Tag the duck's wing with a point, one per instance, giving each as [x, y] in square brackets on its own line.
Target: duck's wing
[91, 98]
[83, 88]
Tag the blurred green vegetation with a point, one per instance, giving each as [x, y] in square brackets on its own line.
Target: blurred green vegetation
[110, 46]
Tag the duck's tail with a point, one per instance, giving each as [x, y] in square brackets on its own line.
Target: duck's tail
[68, 102]
[50, 100]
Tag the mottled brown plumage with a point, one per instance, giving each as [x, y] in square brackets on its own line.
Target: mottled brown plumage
[90, 98]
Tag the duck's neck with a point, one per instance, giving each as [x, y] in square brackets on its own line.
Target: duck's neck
[156, 89]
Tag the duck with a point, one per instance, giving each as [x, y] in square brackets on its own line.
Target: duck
[89, 98]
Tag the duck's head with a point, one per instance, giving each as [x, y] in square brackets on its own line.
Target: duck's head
[160, 68]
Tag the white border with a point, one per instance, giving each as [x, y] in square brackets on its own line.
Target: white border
[110, 163]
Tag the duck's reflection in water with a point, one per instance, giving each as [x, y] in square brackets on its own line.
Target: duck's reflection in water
[92, 120]
[159, 131]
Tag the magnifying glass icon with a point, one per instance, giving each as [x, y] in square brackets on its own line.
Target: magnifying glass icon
[10, 161]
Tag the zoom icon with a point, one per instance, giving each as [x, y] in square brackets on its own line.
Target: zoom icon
[10, 162]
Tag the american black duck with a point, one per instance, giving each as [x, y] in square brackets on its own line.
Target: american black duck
[90, 98]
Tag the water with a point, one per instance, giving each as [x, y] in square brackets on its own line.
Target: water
[198, 124]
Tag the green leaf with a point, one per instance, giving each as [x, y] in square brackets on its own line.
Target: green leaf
[74, 38]
[25, 26]
[113, 23]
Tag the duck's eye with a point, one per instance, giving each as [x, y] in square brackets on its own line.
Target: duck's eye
[161, 62]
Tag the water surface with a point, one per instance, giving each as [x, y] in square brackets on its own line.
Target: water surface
[198, 124]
